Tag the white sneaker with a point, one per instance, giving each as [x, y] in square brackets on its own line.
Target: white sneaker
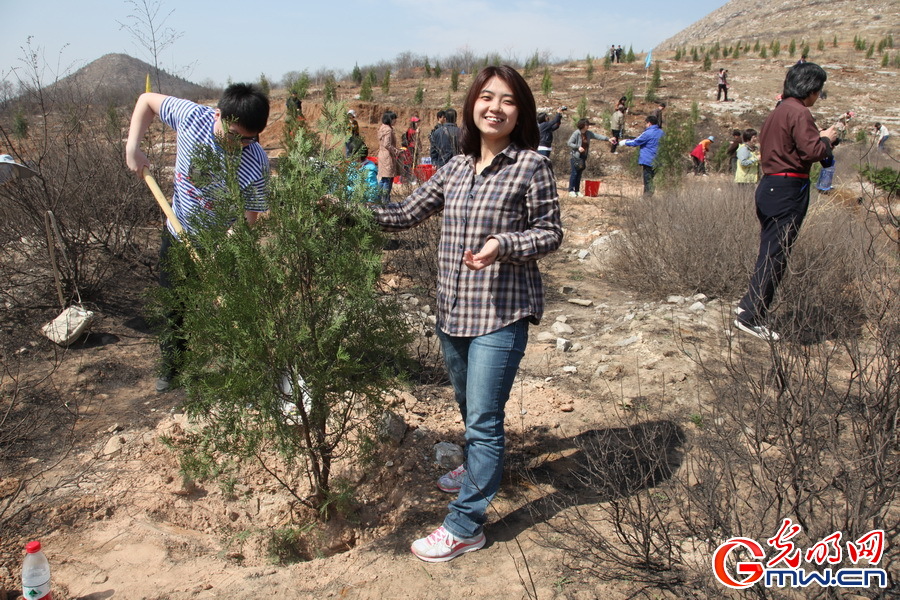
[760, 331]
[451, 482]
[442, 545]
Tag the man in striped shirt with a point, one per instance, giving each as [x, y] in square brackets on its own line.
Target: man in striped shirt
[234, 126]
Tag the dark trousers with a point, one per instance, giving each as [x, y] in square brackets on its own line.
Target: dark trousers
[649, 173]
[575, 175]
[781, 205]
[171, 340]
[722, 88]
[699, 165]
[616, 133]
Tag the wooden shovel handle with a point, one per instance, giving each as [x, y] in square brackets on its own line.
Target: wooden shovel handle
[161, 200]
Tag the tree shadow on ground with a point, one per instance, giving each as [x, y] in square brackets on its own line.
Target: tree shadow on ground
[594, 466]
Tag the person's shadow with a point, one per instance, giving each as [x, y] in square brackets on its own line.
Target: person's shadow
[606, 464]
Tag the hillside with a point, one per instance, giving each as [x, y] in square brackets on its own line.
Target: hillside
[749, 20]
[120, 78]
[119, 520]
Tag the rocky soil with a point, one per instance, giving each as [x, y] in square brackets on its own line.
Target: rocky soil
[119, 521]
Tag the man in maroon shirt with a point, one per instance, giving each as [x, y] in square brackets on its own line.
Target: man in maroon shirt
[790, 143]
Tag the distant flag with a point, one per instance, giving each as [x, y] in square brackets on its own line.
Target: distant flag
[147, 87]
[649, 59]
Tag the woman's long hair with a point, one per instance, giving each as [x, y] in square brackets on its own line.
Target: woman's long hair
[524, 135]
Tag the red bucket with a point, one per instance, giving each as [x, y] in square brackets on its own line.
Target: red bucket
[424, 172]
[592, 187]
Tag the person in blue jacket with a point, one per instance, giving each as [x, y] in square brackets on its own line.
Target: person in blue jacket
[648, 142]
[364, 174]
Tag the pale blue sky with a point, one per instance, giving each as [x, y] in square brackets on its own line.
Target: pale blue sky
[240, 40]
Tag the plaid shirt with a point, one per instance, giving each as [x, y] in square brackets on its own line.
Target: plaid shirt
[514, 201]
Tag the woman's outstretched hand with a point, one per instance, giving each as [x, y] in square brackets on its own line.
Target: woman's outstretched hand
[485, 257]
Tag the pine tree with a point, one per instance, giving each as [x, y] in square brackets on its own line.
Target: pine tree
[547, 82]
[792, 48]
[437, 69]
[655, 83]
[264, 84]
[427, 68]
[589, 70]
[581, 111]
[707, 62]
[386, 81]
[629, 58]
[20, 125]
[291, 349]
[329, 90]
[356, 75]
[420, 95]
[365, 91]
[454, 79]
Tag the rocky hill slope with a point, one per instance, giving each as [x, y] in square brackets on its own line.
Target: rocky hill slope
[749, 20]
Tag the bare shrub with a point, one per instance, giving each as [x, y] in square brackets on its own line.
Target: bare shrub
[76, 148]
[693, 239]
[613, 511]
[412, 258]
[36, 434]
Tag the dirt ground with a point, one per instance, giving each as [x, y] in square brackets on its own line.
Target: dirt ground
[117, 519]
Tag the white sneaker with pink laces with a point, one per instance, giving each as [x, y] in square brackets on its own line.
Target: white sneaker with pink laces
[442, 545]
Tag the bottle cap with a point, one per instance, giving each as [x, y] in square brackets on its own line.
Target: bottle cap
[32, 547]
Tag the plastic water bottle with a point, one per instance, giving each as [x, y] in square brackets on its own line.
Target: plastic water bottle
[35, 573]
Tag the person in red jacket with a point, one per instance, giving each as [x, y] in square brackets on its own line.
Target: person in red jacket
[698, 155]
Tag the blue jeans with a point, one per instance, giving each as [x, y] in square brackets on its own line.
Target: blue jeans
[384, 186]
[575, 174]
[482, 370]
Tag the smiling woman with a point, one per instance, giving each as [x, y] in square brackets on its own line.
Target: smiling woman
[500, 214]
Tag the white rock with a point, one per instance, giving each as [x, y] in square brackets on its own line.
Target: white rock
[699, 298]
[561, 328]
[580, 301]
[546, 336]
[583, 254]
[563, 345]
[697, 307]
[675, 299]
[629, 341]
[570, 369]
[448, 455]
[114, 445]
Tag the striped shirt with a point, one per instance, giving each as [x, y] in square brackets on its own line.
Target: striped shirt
[514, 201]
[194, 125]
